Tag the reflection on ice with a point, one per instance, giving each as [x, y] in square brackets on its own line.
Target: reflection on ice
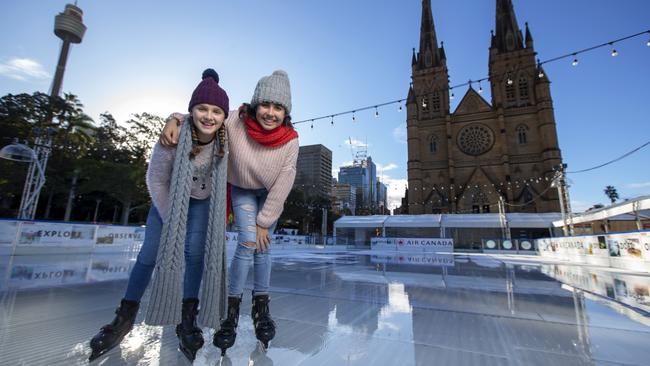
[349, 308]
[632, 290]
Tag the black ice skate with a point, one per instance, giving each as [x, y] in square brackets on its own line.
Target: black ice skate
[112, 334]
[264, 325]
[225, 337]
[190, 336]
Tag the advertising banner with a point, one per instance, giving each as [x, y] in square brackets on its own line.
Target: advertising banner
[413, 244]
[628, 289]
[56, 234]
[289, 239]
[383, 244]
[629, 251]
[47, 275]
[418, 259]
[231, 238]
[580, 249]
[107, 268]
[109, 235]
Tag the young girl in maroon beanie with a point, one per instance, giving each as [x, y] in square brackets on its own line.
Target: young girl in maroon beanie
[261, 171]
[187, 184]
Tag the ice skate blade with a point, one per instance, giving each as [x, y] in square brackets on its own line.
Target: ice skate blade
[97, 354]
[187, 352]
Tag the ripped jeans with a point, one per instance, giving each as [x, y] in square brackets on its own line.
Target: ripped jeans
[246, 203]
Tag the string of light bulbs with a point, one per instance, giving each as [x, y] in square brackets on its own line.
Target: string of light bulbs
[574, 62]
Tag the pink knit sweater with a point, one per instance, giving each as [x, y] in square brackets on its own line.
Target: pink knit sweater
[253, 166]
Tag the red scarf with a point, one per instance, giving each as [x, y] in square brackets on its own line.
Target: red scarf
[273, 138]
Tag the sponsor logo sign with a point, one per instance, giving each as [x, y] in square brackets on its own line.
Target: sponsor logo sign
[46, 275]
[51, 234]
[418, 259]
[119, 235]
[417, 244]
[109, 269]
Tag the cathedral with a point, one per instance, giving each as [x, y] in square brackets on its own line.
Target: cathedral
[482, 153]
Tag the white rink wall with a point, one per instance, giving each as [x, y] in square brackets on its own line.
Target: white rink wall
[630, 251]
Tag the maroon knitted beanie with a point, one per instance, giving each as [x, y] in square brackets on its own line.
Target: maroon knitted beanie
[208, 91]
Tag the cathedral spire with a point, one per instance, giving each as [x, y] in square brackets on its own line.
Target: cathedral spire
[508, 35]
[429, 54]
[529, 37]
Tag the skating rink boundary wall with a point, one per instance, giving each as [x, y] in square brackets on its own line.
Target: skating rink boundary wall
[630, 250]
[19, 237]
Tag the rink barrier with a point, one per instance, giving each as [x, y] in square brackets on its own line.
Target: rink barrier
[629, 250]
[22, 237]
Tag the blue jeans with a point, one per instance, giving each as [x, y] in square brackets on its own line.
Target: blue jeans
[197, 224]
[246, 203]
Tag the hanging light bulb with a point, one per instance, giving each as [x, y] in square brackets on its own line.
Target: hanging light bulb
[400, 106]
[353, 117]
[452, 96]
[614, 52]
[509, 81]
[332, 121]
[424, 103]
[376, 112]
[312, 124]
[575, 60]
[648, 43]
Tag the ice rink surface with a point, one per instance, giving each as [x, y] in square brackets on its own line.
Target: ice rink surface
[348, 307]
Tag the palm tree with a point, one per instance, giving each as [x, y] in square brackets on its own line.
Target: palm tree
[611, 193]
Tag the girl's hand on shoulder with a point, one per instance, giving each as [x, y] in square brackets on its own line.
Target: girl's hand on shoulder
[169, 135]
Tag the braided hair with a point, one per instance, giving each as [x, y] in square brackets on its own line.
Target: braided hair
[197, 147]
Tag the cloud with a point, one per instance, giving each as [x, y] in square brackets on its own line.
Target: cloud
[399, 133]
[23, 69]
[389, 166]
[395, 189]
[638, 185]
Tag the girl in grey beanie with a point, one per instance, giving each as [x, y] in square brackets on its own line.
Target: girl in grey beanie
[185, 236]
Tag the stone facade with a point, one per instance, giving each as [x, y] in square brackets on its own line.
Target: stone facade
[463, 161]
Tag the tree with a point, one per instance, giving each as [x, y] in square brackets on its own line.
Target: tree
[117, 164]
[611, 193]
[23, 116]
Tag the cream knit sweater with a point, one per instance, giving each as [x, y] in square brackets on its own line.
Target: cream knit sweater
[253, 166]
[159, 174]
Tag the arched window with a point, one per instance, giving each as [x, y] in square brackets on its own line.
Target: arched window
[435, 100]
[433, 144]
[522, 136]
[523, 88]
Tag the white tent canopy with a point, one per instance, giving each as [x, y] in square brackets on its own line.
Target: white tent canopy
[628, 210]
[488, 220]
[413, 221]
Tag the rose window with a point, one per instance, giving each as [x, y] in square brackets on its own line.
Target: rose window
[475, 139]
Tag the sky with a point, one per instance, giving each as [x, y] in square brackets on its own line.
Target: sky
[341, 55]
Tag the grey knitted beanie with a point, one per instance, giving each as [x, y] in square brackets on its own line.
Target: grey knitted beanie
[275, 89]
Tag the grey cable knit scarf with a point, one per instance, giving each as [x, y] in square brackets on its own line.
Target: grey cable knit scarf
[167, 289]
